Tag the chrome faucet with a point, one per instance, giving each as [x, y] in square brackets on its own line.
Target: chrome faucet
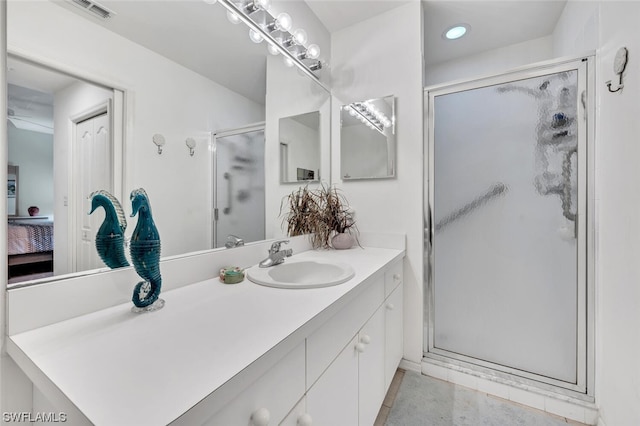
[233, 241]
[276, 256]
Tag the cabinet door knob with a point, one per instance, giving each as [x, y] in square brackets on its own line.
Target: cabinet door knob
[304, 420]
[260, 417]
[366, 339]
[391, 306]
[360, 347]
[396, 277]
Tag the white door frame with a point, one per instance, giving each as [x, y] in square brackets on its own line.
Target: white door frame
[75, 199]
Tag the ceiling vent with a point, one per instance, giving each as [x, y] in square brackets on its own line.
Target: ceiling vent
[94, 8]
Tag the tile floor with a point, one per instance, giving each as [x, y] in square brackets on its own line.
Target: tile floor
[417, 400]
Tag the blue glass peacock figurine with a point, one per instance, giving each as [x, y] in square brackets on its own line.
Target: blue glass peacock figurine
[145, 253]
[110, 235]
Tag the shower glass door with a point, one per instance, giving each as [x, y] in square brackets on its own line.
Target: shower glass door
[239, 199]
[507, 196]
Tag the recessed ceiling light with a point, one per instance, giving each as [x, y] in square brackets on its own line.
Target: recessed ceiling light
[455, 32]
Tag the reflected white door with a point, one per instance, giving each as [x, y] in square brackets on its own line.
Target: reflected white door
[508, 196]
[94, 152]
[239, 200]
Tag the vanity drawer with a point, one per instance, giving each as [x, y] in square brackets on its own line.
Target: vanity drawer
[324, 345]
[392, 277]
[271, 397]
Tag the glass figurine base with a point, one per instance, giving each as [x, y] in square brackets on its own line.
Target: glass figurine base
[155, 306]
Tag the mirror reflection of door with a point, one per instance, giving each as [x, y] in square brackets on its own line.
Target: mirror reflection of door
[239, 185]
[93, 151]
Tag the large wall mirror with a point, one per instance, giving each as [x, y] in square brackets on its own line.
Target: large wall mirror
[367, 139]
[84, 112]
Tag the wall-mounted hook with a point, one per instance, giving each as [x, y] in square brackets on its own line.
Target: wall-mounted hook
[158, 139]
[619, 64]
[191, 144]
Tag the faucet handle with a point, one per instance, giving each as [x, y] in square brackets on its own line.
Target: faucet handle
[275, 247]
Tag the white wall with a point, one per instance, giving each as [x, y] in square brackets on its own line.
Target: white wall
[288, 94]
[490, 62]
[607, 26]
[375, 58]
[617, 219]
[32, 152]
[163, 97]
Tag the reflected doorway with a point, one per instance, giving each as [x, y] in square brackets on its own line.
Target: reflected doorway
[238, 185]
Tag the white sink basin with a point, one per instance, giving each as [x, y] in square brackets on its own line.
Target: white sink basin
[301, 274]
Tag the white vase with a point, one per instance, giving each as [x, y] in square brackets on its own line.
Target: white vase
[342, 241]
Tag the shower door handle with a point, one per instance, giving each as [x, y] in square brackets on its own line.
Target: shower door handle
[227, 209]
[566, 185]
[428, 230]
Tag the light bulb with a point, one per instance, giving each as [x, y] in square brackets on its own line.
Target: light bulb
[313, 51]
[232, 17]
[352, 112]
[255, 36]
[456, 32]
[262, 4]
[272, 49]
[288, 62]
[300, 36]
[284, 22]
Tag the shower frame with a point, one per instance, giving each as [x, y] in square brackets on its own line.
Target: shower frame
[250, 128]
[584, 387]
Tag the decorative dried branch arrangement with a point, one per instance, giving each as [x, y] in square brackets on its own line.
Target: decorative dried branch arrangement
[321, 213]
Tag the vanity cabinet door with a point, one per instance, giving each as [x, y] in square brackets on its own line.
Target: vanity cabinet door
[298, 416]
[269, 399]
[371, 370]
[333, 399]
[393, 310]
[393, 277]
[327, 342]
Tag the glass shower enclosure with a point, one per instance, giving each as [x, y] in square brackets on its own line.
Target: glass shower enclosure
[506, 229]
[238, 185]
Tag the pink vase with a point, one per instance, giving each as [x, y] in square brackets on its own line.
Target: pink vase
[342, 241]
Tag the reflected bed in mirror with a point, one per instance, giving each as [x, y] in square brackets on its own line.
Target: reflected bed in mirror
[367, 139]
[300, 148]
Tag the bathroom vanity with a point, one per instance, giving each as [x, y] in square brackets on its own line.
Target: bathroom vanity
[221, 354]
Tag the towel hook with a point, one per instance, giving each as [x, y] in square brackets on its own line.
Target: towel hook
[191, 144]
[619, 64]
[158, 139]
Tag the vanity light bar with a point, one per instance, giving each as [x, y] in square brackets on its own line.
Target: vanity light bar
[363, 113]
[294, 58]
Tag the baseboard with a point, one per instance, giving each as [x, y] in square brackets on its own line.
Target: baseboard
[559, 405]
[410, 366]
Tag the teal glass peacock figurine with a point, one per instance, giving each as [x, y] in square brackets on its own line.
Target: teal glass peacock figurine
[145, 252]
[110, 235]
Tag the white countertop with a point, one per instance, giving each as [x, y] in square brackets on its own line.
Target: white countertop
[118, 367]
